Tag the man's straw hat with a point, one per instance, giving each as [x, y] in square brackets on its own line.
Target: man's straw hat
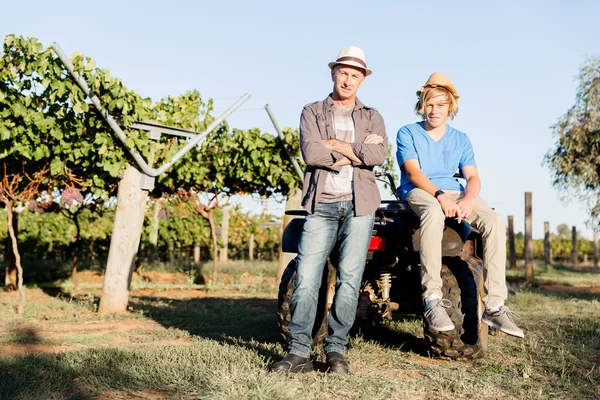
[353, 56]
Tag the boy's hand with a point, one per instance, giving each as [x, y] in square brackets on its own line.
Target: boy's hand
[450, 207]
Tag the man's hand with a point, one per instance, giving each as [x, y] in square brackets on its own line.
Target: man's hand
[344, 148]
[465, 205]
[342, 162]
[373, 139]
[328, 143]
[450, 207]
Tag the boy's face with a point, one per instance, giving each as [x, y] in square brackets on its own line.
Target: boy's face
[436, 110]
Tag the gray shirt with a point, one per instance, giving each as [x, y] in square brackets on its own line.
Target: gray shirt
[316, 125]
[338, 185]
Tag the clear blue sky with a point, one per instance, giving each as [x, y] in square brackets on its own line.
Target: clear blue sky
[513, 62]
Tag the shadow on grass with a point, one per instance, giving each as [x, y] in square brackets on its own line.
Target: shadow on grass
[35, 376]
[244, 323]
[252, 323]
[569, 294]
[578, 270]
[72, 375]
[247, 322]
[394, 339]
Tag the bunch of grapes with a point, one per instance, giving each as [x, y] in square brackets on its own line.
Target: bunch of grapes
[164, 214]
[49, 206]
[44, 207]
[71, 195]
[34, 207]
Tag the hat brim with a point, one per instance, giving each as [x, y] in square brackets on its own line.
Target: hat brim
[351, 64]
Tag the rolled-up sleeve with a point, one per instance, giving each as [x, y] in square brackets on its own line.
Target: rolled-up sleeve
[313, 152]
[373, 154]
[405, 146]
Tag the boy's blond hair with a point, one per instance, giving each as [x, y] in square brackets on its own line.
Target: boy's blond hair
[430, 92]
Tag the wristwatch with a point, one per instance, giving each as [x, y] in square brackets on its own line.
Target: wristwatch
[438, 193]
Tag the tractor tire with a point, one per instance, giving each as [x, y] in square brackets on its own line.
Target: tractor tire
[463, 285]
[284, 300]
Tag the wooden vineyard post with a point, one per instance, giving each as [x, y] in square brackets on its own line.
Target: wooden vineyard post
[197, 253]
[547, 247]
[223, 252]
[251, 247]
[512, 253]
[127, 230]
[574, 247]
[595, 248]
[528, 238]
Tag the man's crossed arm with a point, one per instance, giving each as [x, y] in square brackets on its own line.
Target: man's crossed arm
[345, 149]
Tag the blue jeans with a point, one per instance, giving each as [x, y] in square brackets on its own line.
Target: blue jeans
[331, 224]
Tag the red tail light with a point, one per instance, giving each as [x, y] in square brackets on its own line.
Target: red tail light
[377, 243]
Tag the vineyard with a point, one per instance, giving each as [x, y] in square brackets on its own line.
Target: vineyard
[59, 156]
[119, 284]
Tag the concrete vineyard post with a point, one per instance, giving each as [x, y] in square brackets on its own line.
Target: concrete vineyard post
[124, 242]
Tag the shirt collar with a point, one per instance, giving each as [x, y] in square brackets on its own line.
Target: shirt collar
[358, 106]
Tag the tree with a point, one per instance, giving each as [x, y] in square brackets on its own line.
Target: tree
[24, 162]
[50, 136]
[575, 158]
[563, 231]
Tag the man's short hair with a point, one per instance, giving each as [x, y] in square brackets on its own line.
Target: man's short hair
[430, 92]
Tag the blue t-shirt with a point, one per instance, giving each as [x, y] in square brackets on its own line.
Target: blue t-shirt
[439, 161]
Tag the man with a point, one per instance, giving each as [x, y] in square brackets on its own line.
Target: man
[429, 154]
[341, 141]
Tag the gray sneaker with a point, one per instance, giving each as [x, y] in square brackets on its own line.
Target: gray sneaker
[437, 317]
[502, 320]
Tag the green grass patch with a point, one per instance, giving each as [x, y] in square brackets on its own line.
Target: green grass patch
[557, 274]
[219, 348]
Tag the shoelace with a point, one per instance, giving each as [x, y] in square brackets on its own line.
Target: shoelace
[445, 303]
[508, 312]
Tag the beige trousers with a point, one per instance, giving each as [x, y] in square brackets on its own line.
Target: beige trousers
[493, 231]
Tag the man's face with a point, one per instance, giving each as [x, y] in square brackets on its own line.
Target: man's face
[436, 110]
[346, 81]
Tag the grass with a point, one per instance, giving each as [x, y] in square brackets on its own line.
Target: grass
[558, 274]
[218, 348]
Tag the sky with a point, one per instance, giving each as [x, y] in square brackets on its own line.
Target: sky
[514, 64]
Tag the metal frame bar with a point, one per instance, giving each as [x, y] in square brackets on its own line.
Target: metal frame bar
[155, 130]
[146, 169]
[287, 148]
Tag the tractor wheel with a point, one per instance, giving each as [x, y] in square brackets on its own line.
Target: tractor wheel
[284, 299]
[463, 286]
